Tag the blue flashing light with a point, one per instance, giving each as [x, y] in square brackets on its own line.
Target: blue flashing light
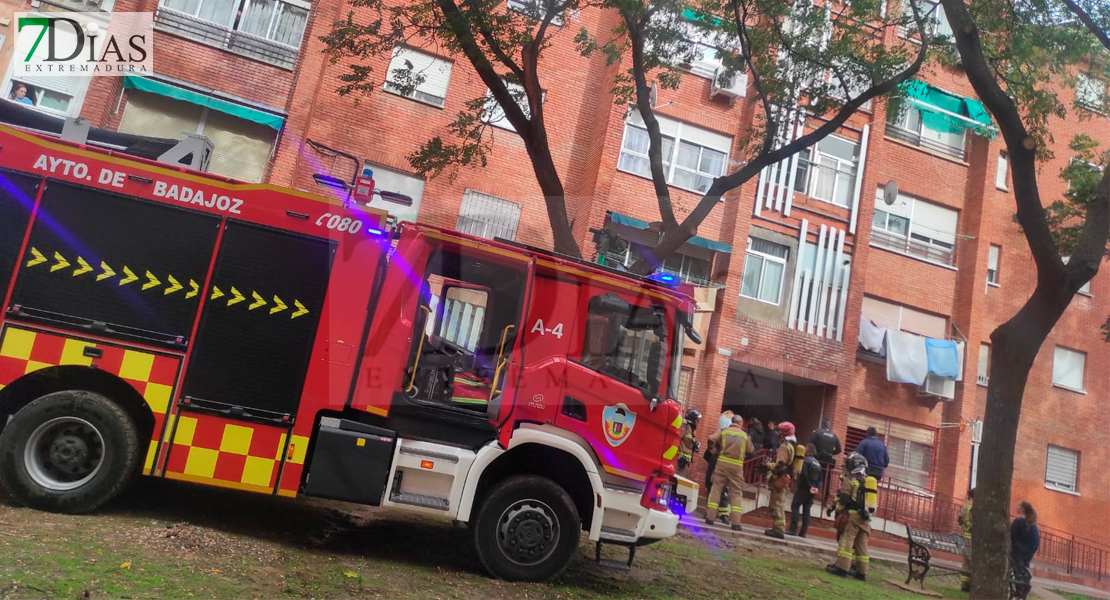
[666, 279]
[373, 231]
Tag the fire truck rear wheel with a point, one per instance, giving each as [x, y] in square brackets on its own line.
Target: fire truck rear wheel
[69, 452]
[527, 529]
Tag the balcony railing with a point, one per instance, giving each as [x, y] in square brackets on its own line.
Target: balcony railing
[214, 34]
[913, 137]
[912, 247]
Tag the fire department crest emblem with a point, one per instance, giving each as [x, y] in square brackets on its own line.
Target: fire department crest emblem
[617, 421]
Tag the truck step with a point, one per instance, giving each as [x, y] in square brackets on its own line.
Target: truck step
[614, 564]
[617, 531]
[420, 500]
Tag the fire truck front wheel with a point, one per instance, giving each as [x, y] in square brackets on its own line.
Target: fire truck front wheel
[527, 529]
[68, 452]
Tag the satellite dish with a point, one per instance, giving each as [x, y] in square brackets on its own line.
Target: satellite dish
[890, 192]
[653, 96]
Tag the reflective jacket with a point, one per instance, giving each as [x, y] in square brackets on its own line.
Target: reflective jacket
[733, 444]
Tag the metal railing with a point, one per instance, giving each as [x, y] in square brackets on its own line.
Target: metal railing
[214, 34]
[915, 138]
[912, 247]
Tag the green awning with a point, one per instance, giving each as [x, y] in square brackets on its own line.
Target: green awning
[145, 84]
[701, 242]
[700, 17]
[949, 113]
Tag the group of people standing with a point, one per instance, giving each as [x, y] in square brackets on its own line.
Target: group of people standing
[807, 471]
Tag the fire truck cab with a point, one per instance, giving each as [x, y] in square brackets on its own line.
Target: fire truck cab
[168, 323]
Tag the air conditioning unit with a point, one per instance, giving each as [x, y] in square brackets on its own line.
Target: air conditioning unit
[942, 387]
[735, 86]
[982, 380]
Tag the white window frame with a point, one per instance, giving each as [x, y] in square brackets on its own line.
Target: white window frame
[274, 19]
[422, 97]
[936, 21]
[903, 122]
[983, 372]
[493, 114]
[478, 197]
[763, 272]
[1082, 370]
[1087, 93]
[1063, 486]
[813, 169]
[1002, 174]
[74, 106]
[918, 236]
[994, 255]
[670, 162]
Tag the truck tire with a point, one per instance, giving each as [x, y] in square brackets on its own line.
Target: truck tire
[69, 452]
[527, 529]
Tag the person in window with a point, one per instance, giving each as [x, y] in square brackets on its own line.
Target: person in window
[20, 94]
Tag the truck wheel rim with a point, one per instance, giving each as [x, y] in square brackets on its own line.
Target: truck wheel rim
[64, 453]
[528, 532]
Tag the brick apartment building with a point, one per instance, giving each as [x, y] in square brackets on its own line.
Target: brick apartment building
[786, 265]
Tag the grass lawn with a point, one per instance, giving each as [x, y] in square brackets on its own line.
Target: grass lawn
[178, 541]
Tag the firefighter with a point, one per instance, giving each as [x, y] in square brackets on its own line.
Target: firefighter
[858, 497]
[965, 525]
[781, 477]
[687, 446]
[732, 445]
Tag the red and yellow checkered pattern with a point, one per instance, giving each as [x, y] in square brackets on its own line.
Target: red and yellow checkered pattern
[235, 454]
[152, 375]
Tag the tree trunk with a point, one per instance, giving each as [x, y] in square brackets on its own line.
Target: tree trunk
[553, 194]
[1014, 347]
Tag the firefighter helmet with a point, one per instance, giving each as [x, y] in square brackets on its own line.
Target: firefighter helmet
[787, 428]
[855, 463]
[692, 417]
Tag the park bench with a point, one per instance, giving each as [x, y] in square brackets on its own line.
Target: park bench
[923, 542]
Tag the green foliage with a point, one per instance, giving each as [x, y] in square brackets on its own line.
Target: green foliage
[1083, 175]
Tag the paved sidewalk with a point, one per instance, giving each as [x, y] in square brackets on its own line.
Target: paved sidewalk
[1041, 587]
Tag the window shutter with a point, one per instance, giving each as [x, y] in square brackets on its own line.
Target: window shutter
[158, 116]
[1000, 176]
[1062, 468]
[401, 183]
[911, 433]
[242, 148]
[1067, 368]
[915, 321]
[666, 126]
[705, 137]
[862, 421]
[992, 258]
[934, 221]
[884, 314]
[435, 71]
[984, 360]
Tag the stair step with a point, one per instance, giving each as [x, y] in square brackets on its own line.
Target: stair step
[614, 564]
[420, 500]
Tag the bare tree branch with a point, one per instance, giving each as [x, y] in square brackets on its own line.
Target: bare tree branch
[1089, 22]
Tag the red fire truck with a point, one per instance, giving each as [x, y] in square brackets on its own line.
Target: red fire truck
[170, 323]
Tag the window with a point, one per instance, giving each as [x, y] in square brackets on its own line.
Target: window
[493, 114]
[1002, 174]
[687, 267]
[85, 5]
[936, 23]
[828, 171]
[992, 264]
[685, 380]
[908, 125]
[856, 87]
[692, 156]
[690, 267]
[59, 95]
[621, 340]
[536, 9]
[281, 22]
[418, 75]
[904, 318]
[268, 30]
[916, 228]
[461, 319]
[1062, 469]
[910, 448]
[764, 267]
[984, 372]
[1086, 288]
[390, 180]
[488, 217]
[1068, 367]
[1089, 92]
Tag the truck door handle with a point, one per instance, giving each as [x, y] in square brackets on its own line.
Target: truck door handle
[93, 352]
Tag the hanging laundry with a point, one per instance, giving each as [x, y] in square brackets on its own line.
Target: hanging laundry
[960, 348]
[871, 336]
[943, 357]
[907, 358]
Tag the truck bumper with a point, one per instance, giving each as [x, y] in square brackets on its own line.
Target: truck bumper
[659, 525]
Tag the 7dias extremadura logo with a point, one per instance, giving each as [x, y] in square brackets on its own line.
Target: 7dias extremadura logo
[84, 44]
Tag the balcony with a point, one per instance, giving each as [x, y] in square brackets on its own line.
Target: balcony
[912, 247]
[219, 36]
[915, 138]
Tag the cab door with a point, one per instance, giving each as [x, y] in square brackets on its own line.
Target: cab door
[613, 396]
